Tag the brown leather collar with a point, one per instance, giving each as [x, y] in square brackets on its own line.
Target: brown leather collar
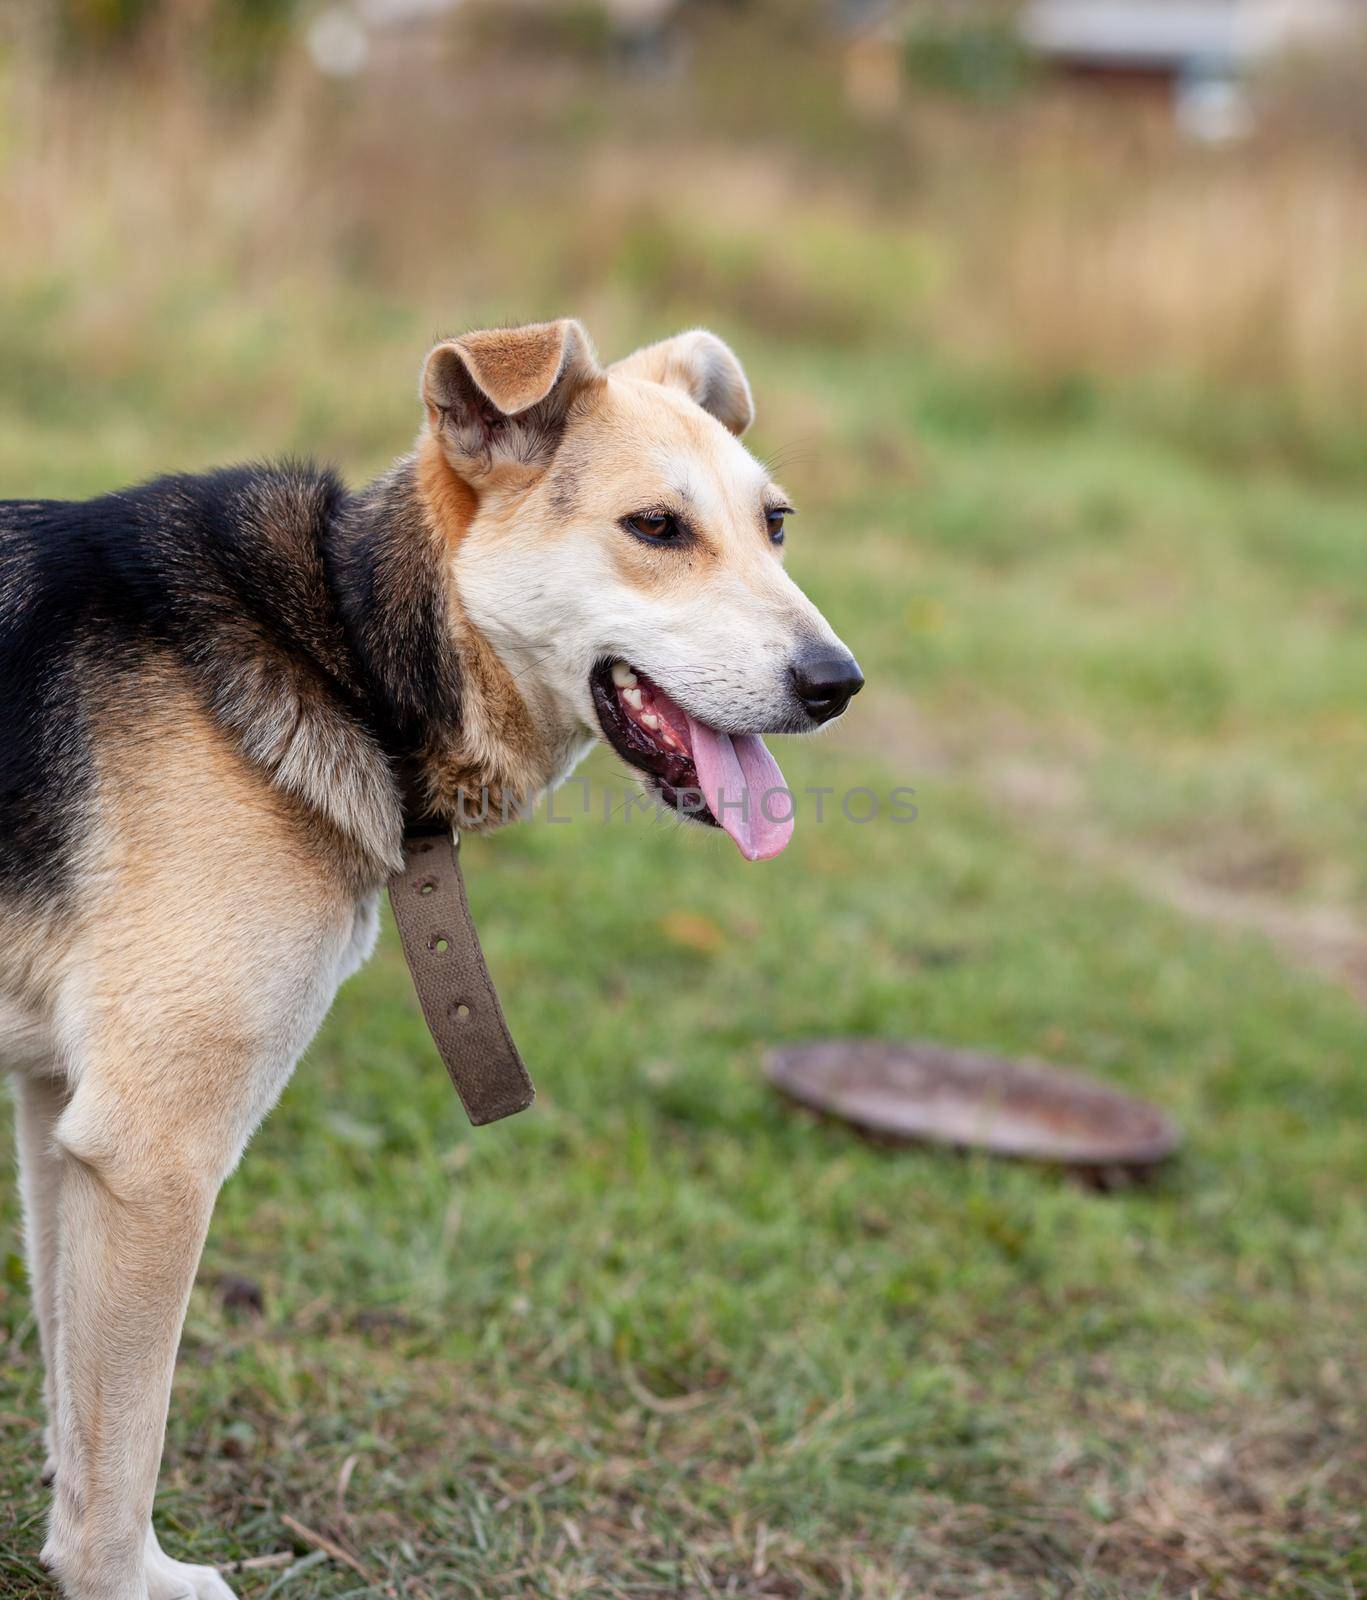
[457, 994]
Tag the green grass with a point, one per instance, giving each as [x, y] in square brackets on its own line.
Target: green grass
[665, 1335]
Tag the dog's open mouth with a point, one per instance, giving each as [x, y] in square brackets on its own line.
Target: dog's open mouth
[728, 780]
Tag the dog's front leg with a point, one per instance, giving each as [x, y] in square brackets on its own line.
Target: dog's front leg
[138, 1186]
[41, 1098]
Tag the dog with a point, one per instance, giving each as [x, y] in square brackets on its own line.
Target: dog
[221, 696]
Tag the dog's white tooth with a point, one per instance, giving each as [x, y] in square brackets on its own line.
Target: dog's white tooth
[622, 675]
[633, 698]
[649, 720]
[629, 682]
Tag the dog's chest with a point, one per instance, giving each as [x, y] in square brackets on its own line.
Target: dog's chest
[364, 932]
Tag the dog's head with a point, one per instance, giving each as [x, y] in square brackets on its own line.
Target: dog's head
[623, 556]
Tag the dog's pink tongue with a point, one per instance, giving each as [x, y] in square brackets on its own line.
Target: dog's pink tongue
[744, 789]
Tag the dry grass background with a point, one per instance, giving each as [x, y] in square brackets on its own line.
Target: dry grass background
[1076, 416]
[1049, 232]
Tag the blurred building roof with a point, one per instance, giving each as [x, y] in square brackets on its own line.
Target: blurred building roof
[1168, 34]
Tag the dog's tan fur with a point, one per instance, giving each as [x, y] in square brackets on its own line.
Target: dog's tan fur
[497, 755]
[212, 919]
[235, 832]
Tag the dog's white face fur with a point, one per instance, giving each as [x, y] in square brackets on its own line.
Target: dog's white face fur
[558, 571]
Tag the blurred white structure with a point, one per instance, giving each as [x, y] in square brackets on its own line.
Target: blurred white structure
[1168, 32]
[1202, 50]
[339, 36]
[343, 35]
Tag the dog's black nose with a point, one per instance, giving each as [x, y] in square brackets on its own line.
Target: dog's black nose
[825, 681]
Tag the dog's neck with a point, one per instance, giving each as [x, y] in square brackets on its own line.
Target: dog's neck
[466, 745]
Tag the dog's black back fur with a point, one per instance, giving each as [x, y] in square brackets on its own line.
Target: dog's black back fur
[270, 586]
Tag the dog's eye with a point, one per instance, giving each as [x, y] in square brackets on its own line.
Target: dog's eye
[657, 526]
[774, 520]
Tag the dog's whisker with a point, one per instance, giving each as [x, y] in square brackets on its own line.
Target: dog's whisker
[793, 452]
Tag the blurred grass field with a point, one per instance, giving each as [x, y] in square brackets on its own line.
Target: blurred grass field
[664, 1335]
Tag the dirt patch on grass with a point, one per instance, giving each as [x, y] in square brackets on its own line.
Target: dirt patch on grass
[1226, 1509]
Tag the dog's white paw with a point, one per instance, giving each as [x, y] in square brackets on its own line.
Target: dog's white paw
[178, 1580]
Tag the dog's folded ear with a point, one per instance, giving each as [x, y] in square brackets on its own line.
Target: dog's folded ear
[704, 367]
[501, 396]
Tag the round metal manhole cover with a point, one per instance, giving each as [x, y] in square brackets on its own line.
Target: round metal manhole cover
[910, 1090]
